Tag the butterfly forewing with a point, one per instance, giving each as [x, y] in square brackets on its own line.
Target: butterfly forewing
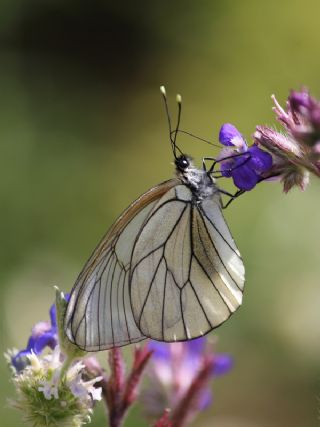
[186, 273]
[99, 314]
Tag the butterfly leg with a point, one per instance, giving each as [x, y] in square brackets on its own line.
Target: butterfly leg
[247, 157]
[232, 196]
[204, 159]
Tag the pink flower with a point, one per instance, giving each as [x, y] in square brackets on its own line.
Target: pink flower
[296, 151]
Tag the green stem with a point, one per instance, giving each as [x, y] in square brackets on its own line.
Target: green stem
[66, 364]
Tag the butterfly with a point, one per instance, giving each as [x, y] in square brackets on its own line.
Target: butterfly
[167, 269]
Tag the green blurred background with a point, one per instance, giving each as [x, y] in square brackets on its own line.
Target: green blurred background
[83, 133]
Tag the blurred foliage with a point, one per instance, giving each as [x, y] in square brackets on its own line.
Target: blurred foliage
[83, 133]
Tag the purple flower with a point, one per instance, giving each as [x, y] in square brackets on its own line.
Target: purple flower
[43, 334]
[246, 165]
[296, 151]
[180, 374]
[301, 117]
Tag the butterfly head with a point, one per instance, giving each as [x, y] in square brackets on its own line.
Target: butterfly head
[182, 163]
[199, 181]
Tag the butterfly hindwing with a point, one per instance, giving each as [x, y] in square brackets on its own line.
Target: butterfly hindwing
[186, 273]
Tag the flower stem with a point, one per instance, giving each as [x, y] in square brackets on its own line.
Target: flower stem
[189, 402]
[66, 364]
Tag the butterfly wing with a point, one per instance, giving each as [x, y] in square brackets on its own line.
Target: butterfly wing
[186, 275]
[99, 314]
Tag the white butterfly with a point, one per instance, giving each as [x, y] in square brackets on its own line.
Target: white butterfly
[167, 269]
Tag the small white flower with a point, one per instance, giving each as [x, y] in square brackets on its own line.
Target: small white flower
[85, 390]
[53, 360]
[9, 355]
[50, 388]
[35, 363]
[77, 388]
[75, 370]
[96, 392]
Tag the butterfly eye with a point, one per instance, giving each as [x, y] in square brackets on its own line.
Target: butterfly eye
[182, 163]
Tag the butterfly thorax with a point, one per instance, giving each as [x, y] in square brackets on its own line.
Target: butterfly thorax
[199, 181]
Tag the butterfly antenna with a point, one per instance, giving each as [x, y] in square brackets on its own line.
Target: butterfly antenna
[172, 133]
[197, 137]
[164, 94]
[179, 102]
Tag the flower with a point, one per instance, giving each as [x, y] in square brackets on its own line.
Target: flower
[246, 165]
[43, 334]
[83, 389]
[179, 374]
[54, 387]
[302, 118]
[295, 152]
[49, 387]
[47, 397]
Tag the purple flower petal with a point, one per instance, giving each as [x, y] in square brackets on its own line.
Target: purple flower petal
[40, 328]
[315, 118]
[300, 99]
[53, 315]
[246, 167]
[230, 136]
[47, 339]
[244, 177]
[30, 345]
[20, 360]
[223, 363]
[205, 400]
[161, 350]
[261, 161]
[53, 311]
[196, 347]
[226, 167]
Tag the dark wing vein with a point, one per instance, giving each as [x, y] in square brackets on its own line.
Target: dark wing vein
[149, 290]
[200, 304]
[217, 252]
[84, 316]
[162, 244]
[219, 232]
[182, 317]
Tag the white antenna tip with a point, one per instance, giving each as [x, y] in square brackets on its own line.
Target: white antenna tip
[179, 99]
[163, 90]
